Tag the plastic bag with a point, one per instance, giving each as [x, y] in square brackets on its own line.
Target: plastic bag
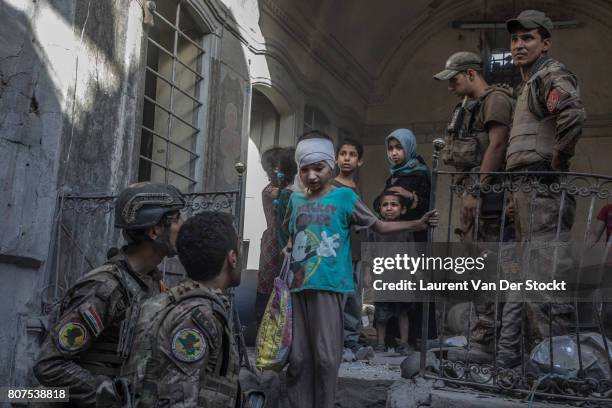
[565, 356]
[275, 331]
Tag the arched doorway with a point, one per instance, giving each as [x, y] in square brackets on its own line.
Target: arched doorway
[264, 133]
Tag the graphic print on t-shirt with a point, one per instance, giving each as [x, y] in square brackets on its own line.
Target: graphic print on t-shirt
[309, 247]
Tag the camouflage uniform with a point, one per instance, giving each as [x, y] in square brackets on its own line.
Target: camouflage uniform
[548, 121]
[465, 151]
[185, 352]
[81, 350]
[84, 351]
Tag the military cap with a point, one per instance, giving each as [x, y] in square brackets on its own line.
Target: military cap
[530, 19]
[459, 62]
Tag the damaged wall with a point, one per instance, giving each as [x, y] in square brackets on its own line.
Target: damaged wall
[69, 106]
[71, 97]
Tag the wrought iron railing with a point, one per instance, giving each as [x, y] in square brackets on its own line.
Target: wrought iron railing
[85, 232]
[590, 192]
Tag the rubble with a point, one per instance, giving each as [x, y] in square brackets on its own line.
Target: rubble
[411, 365]
[410, 393]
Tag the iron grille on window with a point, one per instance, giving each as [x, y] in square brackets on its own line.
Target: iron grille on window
[499, 68]
[170, 132]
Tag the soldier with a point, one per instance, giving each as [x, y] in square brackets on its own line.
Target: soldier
[476, 142]
[85, 349]
[547, 123]
[185, 354]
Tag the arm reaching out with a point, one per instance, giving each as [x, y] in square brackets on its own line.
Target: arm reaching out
[430, 219]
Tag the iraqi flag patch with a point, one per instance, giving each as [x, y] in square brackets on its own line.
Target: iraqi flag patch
[92, 318]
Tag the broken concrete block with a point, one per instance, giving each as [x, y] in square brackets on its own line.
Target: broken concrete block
[410, 393]
[411, 365]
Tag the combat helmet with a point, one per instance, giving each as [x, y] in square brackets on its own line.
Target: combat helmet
[143, 205]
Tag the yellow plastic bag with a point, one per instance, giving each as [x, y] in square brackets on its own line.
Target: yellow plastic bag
[275, 332]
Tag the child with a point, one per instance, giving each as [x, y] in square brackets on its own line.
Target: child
[319, 221]
[280, 167]
[409, 176]
[391, 206]
[349, 157]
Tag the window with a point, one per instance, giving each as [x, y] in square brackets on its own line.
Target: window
[169, 150]
[314, 119]
[499, 68]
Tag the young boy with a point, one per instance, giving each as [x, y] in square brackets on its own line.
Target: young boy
[349, 157]
[318, 221]
[391, 207]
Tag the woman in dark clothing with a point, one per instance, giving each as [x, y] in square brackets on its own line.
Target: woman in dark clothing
[410, 178]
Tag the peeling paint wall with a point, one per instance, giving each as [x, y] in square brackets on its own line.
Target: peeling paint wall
[69, 108]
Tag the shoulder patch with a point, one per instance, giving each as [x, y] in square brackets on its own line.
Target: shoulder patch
[92, 318]
[72, 336]
[552, 100]
[188, 345]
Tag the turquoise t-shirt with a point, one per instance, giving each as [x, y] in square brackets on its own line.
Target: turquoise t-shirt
[320, 227]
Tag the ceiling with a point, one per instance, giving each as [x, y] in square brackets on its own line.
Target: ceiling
[376, 35]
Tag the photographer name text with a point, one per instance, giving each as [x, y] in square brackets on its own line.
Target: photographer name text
[469, 285]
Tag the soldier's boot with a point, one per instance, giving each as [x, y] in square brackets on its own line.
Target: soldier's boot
[509, 343]
[481, 337]
[475, 354]
[508, 359]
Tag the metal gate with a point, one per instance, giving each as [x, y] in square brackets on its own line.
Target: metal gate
[588, 328]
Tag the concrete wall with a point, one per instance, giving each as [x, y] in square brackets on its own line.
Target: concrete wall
[69, 95]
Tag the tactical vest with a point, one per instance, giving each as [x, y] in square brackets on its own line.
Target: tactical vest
[219, 387]
[465, 150]
[109, 351]
[533, 132]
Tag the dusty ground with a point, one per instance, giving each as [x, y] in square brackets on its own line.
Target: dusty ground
[361, 384]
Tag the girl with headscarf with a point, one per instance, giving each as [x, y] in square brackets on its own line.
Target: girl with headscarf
[409, 176]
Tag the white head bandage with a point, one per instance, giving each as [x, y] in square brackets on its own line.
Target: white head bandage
[315, 150]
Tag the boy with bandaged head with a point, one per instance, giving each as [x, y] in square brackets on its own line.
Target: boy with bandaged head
[318, 221]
